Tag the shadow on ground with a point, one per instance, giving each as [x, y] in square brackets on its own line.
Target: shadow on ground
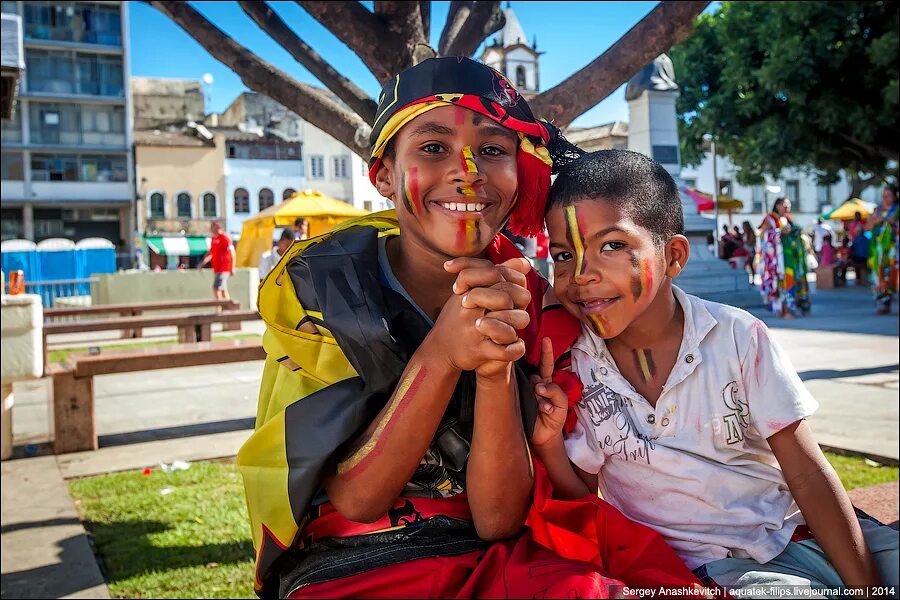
[171, 433]
[136, 555]
[835, 374]
[51, 581]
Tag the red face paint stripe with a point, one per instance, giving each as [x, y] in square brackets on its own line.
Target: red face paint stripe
[646, 276]
[414, 190]
[363, 457]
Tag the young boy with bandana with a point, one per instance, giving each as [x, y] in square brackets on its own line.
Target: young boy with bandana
[390, 456]
[691, 418]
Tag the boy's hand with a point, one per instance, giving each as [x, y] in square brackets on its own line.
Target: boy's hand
[553, 404]
[500, 292]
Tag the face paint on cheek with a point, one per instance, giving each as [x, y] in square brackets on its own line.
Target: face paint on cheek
[644, 362]
[405, 195]
[575, 238]
[646, 276]
[412, 191]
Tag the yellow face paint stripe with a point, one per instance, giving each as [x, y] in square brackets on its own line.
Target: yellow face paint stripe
[577, 242]
[645, 367]
[598, 323]
[469, 160]
[470, 231]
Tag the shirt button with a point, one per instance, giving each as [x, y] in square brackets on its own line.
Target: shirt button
[665, 421]
[651, 419]
[689, 358]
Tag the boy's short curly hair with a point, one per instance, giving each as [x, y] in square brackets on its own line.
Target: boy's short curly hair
[637, 185]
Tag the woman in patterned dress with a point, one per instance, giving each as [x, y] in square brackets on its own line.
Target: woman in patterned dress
[883, 250]
[783, 287]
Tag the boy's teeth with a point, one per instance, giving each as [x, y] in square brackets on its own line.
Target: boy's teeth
[463, 207]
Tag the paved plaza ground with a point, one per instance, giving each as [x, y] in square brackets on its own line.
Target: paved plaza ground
[846, 355]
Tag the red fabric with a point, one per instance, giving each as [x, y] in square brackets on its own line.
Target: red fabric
[543, 245]
[220, 253]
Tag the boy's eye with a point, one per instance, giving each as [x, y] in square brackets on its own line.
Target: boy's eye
[612, 246]
[493, 151]
[432, 148]
[562, 256]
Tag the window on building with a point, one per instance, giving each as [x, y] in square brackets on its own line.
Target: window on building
[69, 72]
[12, 129]
[691, 182]
[317, 167]
[521, 79]
[157, 205]
[103, 168]
[287, 193]
[73, 124]
[341, 166]
[209, 206]
[367, 205]
[792, 192]
[232, 151]
[13, 166]
[758, 197]
[9, 7]
[823, 195]
[725, 188]
[58, 167]
[183, 206]
[241, 201]
[266, 198]
[86, 22]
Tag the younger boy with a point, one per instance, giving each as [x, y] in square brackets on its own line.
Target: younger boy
[691, 412]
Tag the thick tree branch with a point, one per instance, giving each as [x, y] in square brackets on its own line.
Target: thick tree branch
[269, 21]
[362, 32]
[404, 22]
[666, 25]
[308, 102]
[483, 19]
[425, 12]
[459, 12]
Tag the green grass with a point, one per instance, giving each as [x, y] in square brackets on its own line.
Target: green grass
[195, 541]
[191, 543]
[60, 355]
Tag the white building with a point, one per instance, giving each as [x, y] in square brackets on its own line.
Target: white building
[808, 198]
[326, 164]
[67, 161]
[259, 171]
[510, 53]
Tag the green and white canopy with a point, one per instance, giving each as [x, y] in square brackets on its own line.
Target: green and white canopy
[179, 246]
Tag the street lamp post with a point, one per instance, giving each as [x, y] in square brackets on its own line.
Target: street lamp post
[712, 144]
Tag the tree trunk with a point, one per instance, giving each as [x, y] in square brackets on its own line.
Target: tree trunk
[859, 184]
[666, 25]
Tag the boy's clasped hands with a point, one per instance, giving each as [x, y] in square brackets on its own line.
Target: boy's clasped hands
[479, 324]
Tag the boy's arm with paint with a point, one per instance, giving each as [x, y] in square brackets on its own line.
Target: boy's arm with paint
[372, 474]
[498, 475]
[547, 439]
[777, 404]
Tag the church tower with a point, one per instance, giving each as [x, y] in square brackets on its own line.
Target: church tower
[510, 53]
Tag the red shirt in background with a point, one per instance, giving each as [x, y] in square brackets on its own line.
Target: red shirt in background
[220, 253]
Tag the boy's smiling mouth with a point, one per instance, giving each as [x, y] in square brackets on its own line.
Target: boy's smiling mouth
[596, 305]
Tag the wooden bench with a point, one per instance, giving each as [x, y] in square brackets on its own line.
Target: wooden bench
[53, 315]
[73, 381]
[191, 328]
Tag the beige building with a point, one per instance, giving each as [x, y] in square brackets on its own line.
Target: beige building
[181, 184]
[601, 137]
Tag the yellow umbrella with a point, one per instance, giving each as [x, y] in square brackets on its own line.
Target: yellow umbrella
[847, 210]
[321, 212]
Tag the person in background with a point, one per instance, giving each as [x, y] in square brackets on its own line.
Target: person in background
[301, 228]
[749, 239]
[784, 287]
[859, 257]
[271, 258]
[827, 254]
[857, 226]
[883, 250]
[820, 230]
[727, 244]
[843, 258]
[221, 255]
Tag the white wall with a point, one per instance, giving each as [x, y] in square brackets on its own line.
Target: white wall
[521, 57]
[52, 191]
[804, 214]
[254, 175]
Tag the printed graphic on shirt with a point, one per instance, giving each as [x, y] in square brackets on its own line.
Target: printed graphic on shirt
[616, 432]
[739, 419]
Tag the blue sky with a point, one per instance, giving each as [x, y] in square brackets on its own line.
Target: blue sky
[570, 33]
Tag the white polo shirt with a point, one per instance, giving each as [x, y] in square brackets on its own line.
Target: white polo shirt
[697, 468]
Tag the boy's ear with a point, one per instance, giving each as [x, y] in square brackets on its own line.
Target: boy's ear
[678, 251]
[384, 178]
